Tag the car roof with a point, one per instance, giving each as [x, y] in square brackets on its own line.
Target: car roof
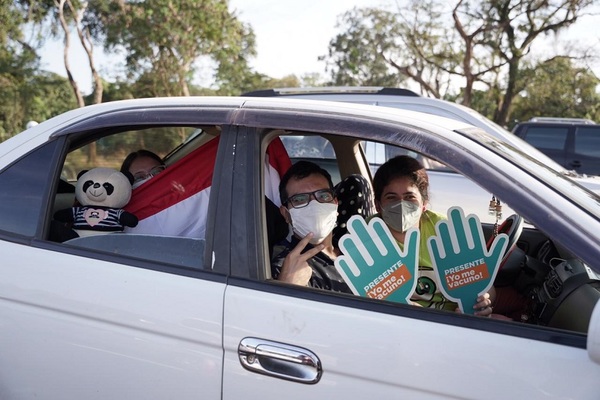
[419, 131]
[559, 120]
[409, 100]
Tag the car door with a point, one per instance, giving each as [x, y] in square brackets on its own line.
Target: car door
[295, 342]
[86, 323]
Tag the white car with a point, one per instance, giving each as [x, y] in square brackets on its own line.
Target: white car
[153, 316]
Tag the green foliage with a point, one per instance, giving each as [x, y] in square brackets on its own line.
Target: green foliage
[164, 39]
[356, 56]
[256, 81]
[37, 98]
[12, 19]
[430, 42]
[439, 45]
[558, 88]
[27, 93]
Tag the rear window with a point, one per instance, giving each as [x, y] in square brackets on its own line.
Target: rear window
[542, 137]
[587, 141]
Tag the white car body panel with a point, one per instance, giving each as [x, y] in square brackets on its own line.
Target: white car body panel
[76, 327]
[353, 366]
[79, 328]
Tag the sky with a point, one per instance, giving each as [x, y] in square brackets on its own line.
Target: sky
[290, 36]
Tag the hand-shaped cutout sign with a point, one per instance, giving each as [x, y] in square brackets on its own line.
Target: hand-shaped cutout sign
[373, 265]
[465, 267]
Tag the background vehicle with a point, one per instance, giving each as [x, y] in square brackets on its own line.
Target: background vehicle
[572, 143]
[444, 180]
[142, 316]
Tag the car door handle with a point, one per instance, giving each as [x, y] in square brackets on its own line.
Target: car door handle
[280, 360]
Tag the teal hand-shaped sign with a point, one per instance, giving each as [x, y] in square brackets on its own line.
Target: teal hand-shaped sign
[373, 265]
[466, 268]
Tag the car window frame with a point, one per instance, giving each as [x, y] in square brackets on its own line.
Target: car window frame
[331, 126]
[89, 130]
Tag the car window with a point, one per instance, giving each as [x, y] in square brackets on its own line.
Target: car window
[378, 153]
[23, 194]
[587, 141]
[165, 218]
[313, 148]
[551, 138]
[110, 151]
[525, 283]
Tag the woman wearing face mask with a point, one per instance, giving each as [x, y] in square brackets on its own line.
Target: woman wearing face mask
[143, 165]
[310, 207]
[401, 188]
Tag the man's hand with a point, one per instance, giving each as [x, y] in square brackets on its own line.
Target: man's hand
[373, 265]
[295, 268]
[465, 267]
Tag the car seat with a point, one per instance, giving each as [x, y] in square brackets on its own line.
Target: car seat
[355, 197]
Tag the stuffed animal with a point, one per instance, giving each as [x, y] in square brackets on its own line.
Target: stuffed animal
[101, 193]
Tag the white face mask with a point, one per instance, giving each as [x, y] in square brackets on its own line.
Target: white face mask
[318, 218]
[401, 215]
[141, 182]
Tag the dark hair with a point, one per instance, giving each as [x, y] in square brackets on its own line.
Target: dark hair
[137, 154]
[401, 167]
[301, 170]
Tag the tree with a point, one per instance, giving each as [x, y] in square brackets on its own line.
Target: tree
[356, 55]
[556, 87]
[257, 81]
[519, 24]
[27, 93]
[77, 11]
[163, 41]
[485, 44]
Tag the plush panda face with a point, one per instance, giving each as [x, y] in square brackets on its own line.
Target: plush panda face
[103, 187]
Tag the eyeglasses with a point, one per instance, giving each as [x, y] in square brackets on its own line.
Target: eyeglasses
[140, 176]
[302, 199]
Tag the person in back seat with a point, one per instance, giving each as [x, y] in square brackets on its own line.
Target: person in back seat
[175, 202]
[143, 165]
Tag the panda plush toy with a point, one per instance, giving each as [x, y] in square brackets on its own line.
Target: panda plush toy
[101, 193]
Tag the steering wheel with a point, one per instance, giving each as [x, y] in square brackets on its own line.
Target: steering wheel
[513, 227]
[510, 266]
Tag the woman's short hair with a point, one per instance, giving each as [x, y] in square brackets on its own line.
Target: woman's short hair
[137, 154]
[401, 167]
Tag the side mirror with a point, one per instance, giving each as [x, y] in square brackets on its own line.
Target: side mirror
[593, 336]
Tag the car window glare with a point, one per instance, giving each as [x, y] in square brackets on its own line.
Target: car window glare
[23, 191]
[313, 148]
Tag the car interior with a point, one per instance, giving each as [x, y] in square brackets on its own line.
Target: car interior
[539, 282]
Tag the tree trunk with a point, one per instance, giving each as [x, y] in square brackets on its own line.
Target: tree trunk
[502, 113]
[65, 27]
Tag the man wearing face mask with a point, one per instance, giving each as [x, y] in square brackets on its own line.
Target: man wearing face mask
[401, 188]
[310, 207]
